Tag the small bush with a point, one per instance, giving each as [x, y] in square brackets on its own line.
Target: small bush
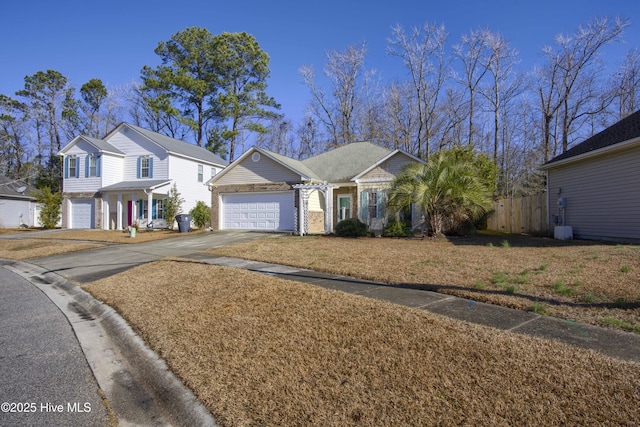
[397, 229]
[352, 227]
[201, 214]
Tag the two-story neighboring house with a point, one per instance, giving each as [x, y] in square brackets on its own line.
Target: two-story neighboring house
[125, 177]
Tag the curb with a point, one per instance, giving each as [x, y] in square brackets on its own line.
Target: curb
[122, 364]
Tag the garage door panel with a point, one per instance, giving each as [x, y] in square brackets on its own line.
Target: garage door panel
[82, 213]
[258, 211]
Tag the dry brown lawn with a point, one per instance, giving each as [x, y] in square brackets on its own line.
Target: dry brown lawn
[581, 281]
[258, 350]
[60, 242]
[32, 248]
[111, 236]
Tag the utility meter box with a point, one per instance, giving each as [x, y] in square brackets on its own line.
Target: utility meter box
[562, 202]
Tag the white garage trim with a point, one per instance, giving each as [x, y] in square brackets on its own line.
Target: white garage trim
[269, 211]
[82, 213]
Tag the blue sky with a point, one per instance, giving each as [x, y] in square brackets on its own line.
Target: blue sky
[113, 40]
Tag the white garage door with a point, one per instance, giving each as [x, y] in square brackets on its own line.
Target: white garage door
[82, 213]
[258, 211]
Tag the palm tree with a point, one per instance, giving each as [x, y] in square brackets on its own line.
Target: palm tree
[448, 189]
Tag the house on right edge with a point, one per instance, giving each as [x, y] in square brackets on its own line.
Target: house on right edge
[595, 186]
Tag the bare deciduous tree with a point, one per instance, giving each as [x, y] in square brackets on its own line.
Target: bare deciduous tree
[573, 56]
[337, 110]
[423, 53]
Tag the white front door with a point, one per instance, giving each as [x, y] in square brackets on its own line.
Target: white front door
[257, 211]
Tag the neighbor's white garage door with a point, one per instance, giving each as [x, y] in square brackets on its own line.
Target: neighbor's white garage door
[258, 211]
[82, 213]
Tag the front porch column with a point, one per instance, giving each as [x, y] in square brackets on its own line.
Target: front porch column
[149, 206]
[119, 212]
[105, 212]
[134, 206]
[328, 210]
[300, 212]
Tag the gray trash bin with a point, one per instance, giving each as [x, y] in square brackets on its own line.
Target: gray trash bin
[184, 223]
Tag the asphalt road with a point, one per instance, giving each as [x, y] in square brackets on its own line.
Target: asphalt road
[55, 355]
[44, 376]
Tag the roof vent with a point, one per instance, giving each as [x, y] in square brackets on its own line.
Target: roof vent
[255, 157]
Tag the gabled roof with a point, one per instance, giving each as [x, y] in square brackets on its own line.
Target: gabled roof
[175, 146]
[384, 159]
[627, 129]
[293, 165]
[344, 163]
[99, 144]
[9, 189]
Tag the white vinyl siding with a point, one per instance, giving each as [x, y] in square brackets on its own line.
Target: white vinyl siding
[136, 146]
[602, 196]
[15, 212]
[182, 173]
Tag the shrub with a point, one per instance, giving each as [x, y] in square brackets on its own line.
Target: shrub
[201, 214]
[173, 206]
[50, 207]
[397, 229]
[351, 227]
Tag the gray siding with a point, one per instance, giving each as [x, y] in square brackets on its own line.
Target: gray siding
[264, 170]
[387, 170]
[603, 196]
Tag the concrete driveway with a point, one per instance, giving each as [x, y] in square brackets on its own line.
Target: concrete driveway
[87, 266]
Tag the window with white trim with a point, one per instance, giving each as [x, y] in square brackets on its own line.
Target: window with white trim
[144, 167]
[93, 166]
[73, 167]
[200, 173]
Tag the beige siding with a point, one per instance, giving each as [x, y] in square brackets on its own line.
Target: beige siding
[388, 169]
[602, 196]
[264, 170]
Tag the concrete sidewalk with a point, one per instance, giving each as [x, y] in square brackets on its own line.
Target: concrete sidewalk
[618, 344]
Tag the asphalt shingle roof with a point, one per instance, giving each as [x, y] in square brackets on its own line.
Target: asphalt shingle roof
[343, 163]
[625, 130]
[180, 147]
[9, 188]
[102, 145]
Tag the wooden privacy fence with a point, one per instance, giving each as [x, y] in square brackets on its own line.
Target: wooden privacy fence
[520, 215]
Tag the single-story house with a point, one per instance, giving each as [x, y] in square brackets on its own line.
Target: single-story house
[125, 177]
[18, 207]
[594, 187]
[263, 190]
